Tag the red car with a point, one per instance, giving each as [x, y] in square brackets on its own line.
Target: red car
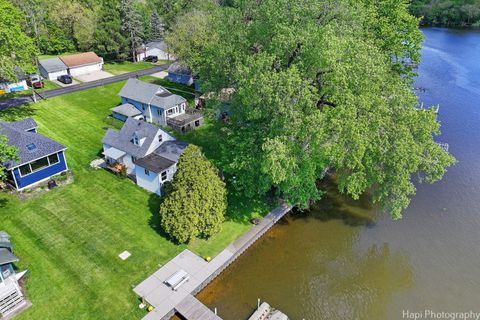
[35, 81]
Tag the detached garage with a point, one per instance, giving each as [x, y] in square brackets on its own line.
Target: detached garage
[82, 63]
[52, 68]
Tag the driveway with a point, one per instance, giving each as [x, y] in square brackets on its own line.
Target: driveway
[96, 75]
[63, 85]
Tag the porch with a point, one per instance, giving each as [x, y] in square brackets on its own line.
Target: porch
[191, 119]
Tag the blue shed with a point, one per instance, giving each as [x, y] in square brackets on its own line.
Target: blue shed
[40, 157]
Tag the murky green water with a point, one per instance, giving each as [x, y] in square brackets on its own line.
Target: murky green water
[345, 260]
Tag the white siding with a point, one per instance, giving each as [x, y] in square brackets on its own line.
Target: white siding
[148, 182]
[51, 75]
[76, 71]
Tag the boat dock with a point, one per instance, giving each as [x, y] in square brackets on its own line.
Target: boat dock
[171, 289]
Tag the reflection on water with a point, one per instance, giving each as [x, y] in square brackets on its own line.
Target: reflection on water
[309, 264]
[345, 260]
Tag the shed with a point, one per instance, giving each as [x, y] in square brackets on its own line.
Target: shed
[52, 68]
[82, 63]
[157, 48]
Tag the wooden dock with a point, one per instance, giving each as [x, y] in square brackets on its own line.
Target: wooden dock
[167, 302]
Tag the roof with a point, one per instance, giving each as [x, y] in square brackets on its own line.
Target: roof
[5, 240]
[81, 59]
[150, 93]
[114, 153]
[53, 65]
[127, 110]
[122, 140]
[7, 257]
[171, 149]
[30, 145]
[154, 162]
[179, 68]
[162, 45]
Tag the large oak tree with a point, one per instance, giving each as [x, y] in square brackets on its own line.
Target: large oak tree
[317, 84]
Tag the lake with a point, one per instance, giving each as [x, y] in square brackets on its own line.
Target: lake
[346, 260]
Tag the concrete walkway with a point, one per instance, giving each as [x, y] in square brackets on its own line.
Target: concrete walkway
[167, 301]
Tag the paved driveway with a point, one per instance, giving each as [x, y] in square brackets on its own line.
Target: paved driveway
[96, 75]
[63, 85]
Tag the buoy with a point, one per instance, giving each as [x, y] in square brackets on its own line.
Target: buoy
[150, 308]
[208, 259]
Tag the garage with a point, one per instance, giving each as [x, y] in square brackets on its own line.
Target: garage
[82, 63]
[52, 68]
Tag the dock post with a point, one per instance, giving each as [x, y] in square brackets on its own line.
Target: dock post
[258, 303]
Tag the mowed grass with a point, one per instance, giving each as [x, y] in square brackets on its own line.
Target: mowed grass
[69, 238]
[126, 66]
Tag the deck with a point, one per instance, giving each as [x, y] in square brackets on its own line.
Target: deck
[167, 302]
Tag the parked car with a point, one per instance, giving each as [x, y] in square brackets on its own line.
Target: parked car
[151, 59]
[65, 79]
[35, 81]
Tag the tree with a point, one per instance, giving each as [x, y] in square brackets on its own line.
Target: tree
[157, 27]
[17, 50]
[7, 153]
[196, 204]
[131, 24]
[317, 84]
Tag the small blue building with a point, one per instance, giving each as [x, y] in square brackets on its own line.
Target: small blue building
[40, 157]
[180, 73]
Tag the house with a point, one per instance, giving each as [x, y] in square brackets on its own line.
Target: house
[52, 68]
[149, 154]
[157, 105]
[9, 87]
[40, 158]
[180, 73]
[82, 63]
[12, 300]
[158, 49]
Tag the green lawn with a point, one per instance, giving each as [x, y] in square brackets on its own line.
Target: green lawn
[70, 238]
[127, 66]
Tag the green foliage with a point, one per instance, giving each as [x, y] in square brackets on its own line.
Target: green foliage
[451, 13]
[17, 50]
[6, 153]
[316, 84]
[196, 204]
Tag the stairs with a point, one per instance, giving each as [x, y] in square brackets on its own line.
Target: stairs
[10, 302]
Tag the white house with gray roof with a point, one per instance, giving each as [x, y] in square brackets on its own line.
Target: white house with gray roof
[158, 49]
[39, 158]
[157, 105]
[148, 153]
[52, 68]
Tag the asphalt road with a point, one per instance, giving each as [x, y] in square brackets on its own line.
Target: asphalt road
[17, 101]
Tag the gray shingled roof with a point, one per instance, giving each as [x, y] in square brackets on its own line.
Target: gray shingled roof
[18, 137]
[155, 163]
[122, 139]
[7, 257]
[149, 93]
[171, 149]
[127, 110]
[157, 44]
[53, 65]
[5, 240]
[179, 68]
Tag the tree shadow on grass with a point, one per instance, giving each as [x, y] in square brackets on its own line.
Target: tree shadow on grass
[18, 113]
[3, 202]
[154, 202]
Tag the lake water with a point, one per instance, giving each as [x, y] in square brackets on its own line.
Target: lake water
[345, 260]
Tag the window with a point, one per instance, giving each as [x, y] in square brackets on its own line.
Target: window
[143, 107]
[163, 176]
[160, 138]
[197, 123]
[39, 164]
[176, 109]
[31, 147]
[159, 112]
[147, 173]
[24, 170]
[170, 111]
[135, 140]
[53, 159]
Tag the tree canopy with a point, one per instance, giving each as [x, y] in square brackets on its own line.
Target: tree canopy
[317, 84]
[7, 153]
[451, 13]
[17, 50]
[196, 202]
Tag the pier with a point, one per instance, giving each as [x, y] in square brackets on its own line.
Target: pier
[171, 289]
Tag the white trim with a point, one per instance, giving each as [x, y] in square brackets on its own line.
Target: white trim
[14, 180]
[18, 166]
[40, 181]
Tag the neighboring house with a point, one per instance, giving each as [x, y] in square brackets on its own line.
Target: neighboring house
[148, 153]
[8, 87]
[40, 158]
[158, 49]
[179, 73]
[158, 106]
[52, 68]
[82, 63]
[12, 299]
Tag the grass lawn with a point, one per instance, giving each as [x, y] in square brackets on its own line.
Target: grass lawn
[127, 66]
[70, 238]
